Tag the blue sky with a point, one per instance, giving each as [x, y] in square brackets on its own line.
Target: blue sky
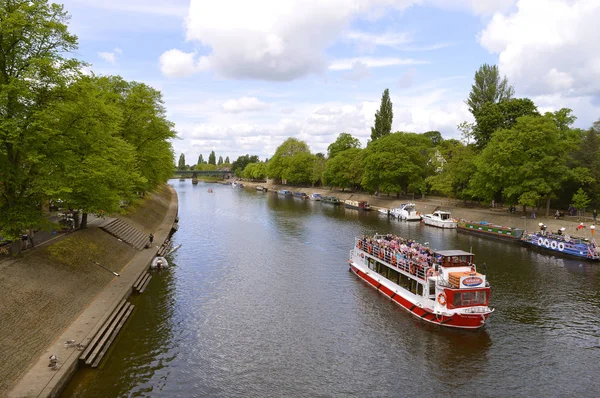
[239, 77]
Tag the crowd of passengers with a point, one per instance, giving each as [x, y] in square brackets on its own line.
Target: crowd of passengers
[400, 249]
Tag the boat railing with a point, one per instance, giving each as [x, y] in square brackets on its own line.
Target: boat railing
[396, 261]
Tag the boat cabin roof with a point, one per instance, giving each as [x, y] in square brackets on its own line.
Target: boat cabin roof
[452, 253]
[455, 258]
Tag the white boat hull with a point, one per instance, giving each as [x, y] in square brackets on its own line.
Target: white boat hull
[440, 223]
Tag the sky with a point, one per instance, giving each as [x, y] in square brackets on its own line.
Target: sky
[239, 77]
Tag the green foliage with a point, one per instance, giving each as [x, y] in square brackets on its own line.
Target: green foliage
[241, 162]
[255, 171]
[580, 199]
[227, 160]
[220, 162]
[493, 116]
[212, 159]
[181, 163]
[318, 167]
[345, 170]
[298, 168]
[434, 136]
[344, 141]
[488, 87]
[383, 117]
[201, 160]
[278, 165]
[454, 178]
[396, 162]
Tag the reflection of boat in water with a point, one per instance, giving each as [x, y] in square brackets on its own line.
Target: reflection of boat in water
[159, 263]
[440, 219]
[491, 230]
[563, 244]
[439, 286]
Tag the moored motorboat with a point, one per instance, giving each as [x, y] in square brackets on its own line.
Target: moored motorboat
[261, 189]
[563, 244]
[284, 192]
[440, 219]
[332, 200]
[357, 205]
[195, 181]
[407, 212]
[441, 287]
[315, 196]
[300, 195]
[484, 228]
[159, 262]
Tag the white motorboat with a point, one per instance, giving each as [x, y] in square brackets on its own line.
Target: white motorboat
[159, 263]
[440, 219]
[407, 211]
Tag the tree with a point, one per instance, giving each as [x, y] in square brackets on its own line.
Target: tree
[212, 158]
[345, 170]
[383, 117]
[397, 163]
[529, 158]
[318, 167]
[227, 160]
[488, 87]
[454, 178]
[241, 162]
[344, 141]
[181, 163]
[434, 136]
[281, 160]
[34, 72]
[220, 162]
[299, 168]
[581, 200]
[200, 160]
[255, 171]
[502, 115]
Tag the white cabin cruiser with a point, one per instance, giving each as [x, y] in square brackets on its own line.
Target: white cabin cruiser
[407, 211]
[440, 219]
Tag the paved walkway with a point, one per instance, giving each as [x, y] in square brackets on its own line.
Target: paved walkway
[64, 301]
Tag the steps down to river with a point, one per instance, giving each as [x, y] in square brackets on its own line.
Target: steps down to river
[126, 233]
[99, 345]
[140, 284]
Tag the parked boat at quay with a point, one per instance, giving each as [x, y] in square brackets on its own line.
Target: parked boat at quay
[284, 192]
[441, 287]
[261, 189]
[440, 219]
[315, 196]
[492, 230]
[407, 212]
[357, 204]
[333, 200]
[563, 244]
[300, 195]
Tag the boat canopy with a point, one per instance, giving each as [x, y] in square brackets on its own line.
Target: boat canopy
[454, 258]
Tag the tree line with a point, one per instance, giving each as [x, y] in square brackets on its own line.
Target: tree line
[202, 164]
[511, 153]
[91, 141]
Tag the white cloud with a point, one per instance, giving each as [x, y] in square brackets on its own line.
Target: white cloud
[244, 104]
[110, 57]
[549, 46]
[176, 63]
[371, 62]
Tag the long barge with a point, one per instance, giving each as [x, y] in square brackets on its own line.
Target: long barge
[490, 230]
[441, 287]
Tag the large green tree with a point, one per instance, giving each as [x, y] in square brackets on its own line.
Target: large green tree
[181, 163]
[383, 117]
[489, 86]
[255, 171]
[454, 177]
[528, 161]
[212, 159]
[220, 162]
[345, 170]
[35, 69]
[397, 163]
[241, 162]
[278, 165]
[344, 141]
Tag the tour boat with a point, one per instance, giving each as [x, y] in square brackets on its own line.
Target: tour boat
[300, 195]
[484, 228]
[441, 287]
[563, 244]
[357, 204]
[406, 211]
[315, 196]
[284, 192]
[440, 219]
[332, 200]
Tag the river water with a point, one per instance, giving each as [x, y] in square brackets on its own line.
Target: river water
[260, 303]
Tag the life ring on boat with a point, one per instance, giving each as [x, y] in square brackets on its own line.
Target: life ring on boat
[540, 242]
[546, 242]
[393, 259]
[561, 246]
[442, 298]
[362, 255]
[370, 249]
[553, 245]
[413, 269]
[567, 238]
[359, 244]
[431, 272]
[381, 254]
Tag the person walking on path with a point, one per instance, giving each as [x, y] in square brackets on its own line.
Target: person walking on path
[150, 239]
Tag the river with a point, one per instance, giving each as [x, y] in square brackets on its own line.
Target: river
[259, 302]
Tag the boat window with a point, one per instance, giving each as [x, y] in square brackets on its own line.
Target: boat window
[464, 299]
[431, 288]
